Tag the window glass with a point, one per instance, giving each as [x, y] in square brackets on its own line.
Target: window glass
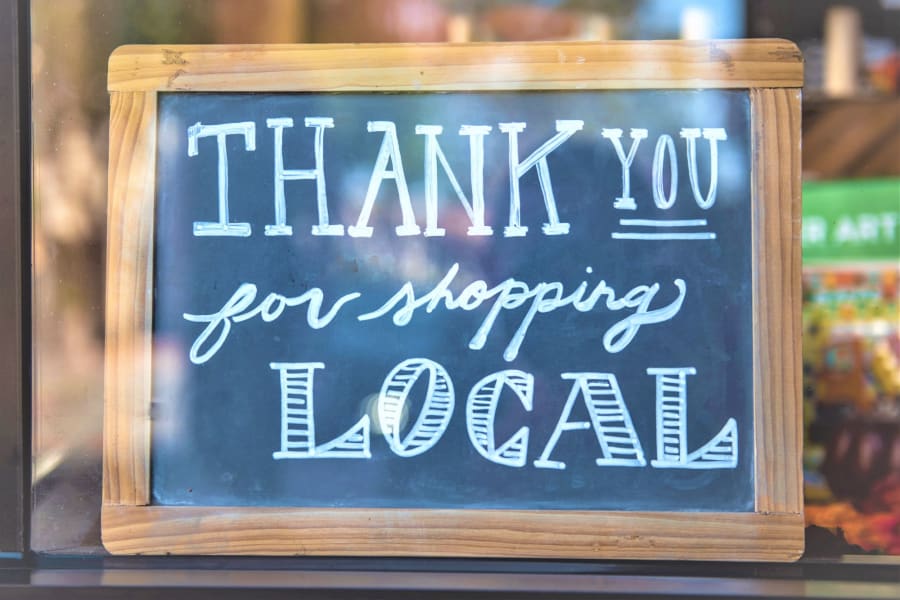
[851, 394]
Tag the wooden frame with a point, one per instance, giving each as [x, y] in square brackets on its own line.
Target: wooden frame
[771, 70]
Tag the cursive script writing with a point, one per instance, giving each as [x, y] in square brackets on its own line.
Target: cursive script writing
[509, 295]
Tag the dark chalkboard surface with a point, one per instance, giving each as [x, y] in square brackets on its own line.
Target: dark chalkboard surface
[669, 412]
[463, 300]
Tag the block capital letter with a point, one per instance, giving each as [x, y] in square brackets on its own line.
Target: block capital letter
[436, 411]
[317, 174]
[625, 201]
[481, 409]
[434, 156]
[713, 135]
[298, 426]
[388, 153]
[610, 420]
[538, 160]
[247, 129]
[721, 452]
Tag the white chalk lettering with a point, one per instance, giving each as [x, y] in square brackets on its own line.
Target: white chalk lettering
[721, 452]
[543, 297]
[317, 174]
[714, 135]
[538, 158]
[222, 227]
[666, 233]
[298, 431]
[237, 309]
[433, 154]
[509, 295]
[388, 153]
[625, 201]
[610, 420]
[481, 410]
[664, 143]
[436, 410]
[620, 335]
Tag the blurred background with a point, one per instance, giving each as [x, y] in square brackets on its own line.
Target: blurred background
[851, 164]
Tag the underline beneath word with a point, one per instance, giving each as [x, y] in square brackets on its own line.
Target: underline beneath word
[701, 235]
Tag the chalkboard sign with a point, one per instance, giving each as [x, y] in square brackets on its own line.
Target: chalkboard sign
[529, 316]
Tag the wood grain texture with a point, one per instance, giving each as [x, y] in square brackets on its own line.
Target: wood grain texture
[404, 532]
[773, 532]
[775, 123]
[870, 147]
[129, 308]
[424, 67]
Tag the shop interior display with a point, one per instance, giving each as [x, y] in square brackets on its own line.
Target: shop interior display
[851, 361]
[851, 352]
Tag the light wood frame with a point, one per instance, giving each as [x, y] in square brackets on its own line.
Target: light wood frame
[771, 70]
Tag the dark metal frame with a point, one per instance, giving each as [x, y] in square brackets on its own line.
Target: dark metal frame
[15, 277]
[26, 574]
